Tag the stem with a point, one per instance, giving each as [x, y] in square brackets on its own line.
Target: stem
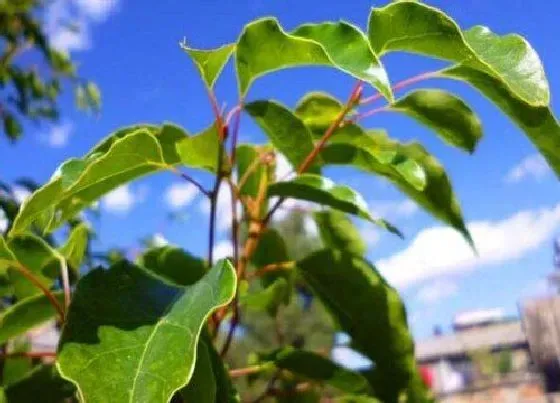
[191, 180]
[234, 322]
[50, 296]
[239, 372]
[28, 354]
[272, 267]
[235, 132]
[369, 113]
[400, 85]
[65, 282]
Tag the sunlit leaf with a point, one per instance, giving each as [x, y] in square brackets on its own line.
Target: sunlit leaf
[318, 110]
[449, 116]
[201, 150]
[74, 250]
[124, 323]
[419, 28]
[264, 47]
[210, 62]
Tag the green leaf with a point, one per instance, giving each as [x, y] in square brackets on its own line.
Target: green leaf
[226, 392]
[347, 285]
[122, 325]
[436, 197]
[75, 248]
[348, 49]
[268, 299]
[36, 256]
[538, 122]
[16, 368]
[338, 232]
[271, 249]
[202, 385]
[264, 47]
[449, 116]
[43, 381]
[284, 129]
[173, 264]
[322, 190]
[201, 150]
[78, 183]
[210, 62]
[318, 110]
[27, 314]
[247, 156]
[318, 368]
[418, 28]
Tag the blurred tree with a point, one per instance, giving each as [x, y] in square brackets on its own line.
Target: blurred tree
[32, 72]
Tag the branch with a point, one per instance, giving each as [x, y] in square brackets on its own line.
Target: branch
[50, 296]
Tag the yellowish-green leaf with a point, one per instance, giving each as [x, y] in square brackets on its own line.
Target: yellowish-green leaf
[75, 248]
[318, 110]
[418, 28]
[201, 150]
[133, 337]
[264, 47]
[210, 62]
[449, 116]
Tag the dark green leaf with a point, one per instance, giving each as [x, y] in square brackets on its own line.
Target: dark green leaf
[202, 386]
[348, 49]
[285, 130]
[173, 264]
[369, 310]
[226, 392]
[27, 314]
[78, 183]
[318, 110]
[437, 196]
[16, 367]
[338, 232]
[133, 337]
[74, 250]
[538, 122]
[210, 63]
[265, 47]
[318, 368]
[12, 127]
[447, 114]
[418, 28]
[42, 383]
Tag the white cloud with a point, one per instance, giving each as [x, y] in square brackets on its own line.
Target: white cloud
[121, 199]
[3, 222]
[533, 166]
[393, 209]
[223, 249]
[159, 240]
[20, 194]
[180, 194]
[68, 22]
[58, 135]
[441, 250]
[370, 234]
[436, 291]
[223, 211]
[291, 204]
[350, 359]
[283, 167]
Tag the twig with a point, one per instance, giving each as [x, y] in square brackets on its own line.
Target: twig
[191, 180]
[28, 354]
[400, 85]
[239, 372]
[369, 113]
[50, 296]
[234, 322]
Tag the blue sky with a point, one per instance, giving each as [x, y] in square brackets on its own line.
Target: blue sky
[510, 199]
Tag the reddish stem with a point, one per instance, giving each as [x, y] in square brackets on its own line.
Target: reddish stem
[50, 296]
[28, 354]
[400, 85]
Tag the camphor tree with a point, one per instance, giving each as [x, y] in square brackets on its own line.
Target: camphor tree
[160, 328]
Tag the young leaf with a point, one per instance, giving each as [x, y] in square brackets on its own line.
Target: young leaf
[418, 28]
[449, 116]
[202, 386]
[75, 248]
[436, 197]
[264, 47]
[285, 130]
[347, 285]
[348, 49]
[173, 264]
[319, 189]
[210, 63]
[538, 122]
[318, 368]
[201, 150]
[338, 232]
[268, 299]
[43, 381]
[27, 314]
[318, 110]
[77, 183]
[125, 323]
